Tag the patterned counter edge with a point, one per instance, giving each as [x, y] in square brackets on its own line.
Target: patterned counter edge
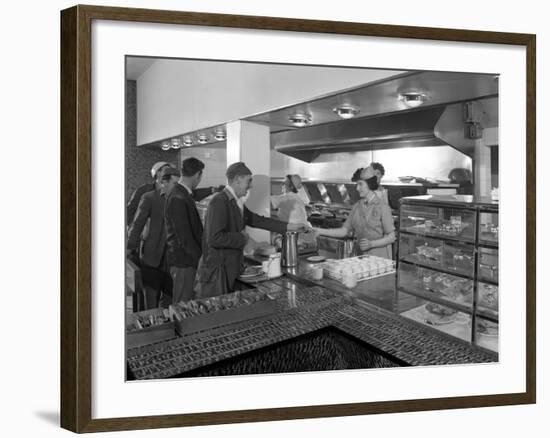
[391, 334]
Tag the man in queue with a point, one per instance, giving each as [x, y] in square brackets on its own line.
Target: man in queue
[184, 230]
[225, 236]
[132, 206]
[147, 233]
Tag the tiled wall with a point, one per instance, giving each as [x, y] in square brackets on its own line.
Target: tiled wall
[139, 160]
[434, 162]
[215, 160]
[431, 162]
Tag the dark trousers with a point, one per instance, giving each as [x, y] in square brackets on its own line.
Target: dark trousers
[183, 280]
[157, 285]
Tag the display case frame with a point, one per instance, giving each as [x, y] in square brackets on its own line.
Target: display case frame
[475, 207]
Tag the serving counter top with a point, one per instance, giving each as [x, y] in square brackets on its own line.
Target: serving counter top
[378, 291]
[304, 306]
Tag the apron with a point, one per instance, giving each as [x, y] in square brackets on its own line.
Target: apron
[366, 221]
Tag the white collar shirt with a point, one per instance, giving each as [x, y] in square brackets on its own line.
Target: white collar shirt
[239, 200]
[187, 188]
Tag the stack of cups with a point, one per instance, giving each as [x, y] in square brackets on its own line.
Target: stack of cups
[317, 273]
[349, 278]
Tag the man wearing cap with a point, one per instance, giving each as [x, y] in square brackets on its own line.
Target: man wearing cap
[225, 236]
[169, 180]
[297, 181]
[148, 224]
[184, 230]
[133, 203]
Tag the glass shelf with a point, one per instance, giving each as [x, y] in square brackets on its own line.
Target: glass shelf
[442, 222]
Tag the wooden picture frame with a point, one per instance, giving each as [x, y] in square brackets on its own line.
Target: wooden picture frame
[76, 217]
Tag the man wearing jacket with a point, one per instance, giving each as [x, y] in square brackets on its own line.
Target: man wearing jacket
[225, 236]
[156, 172]
[148, 225]
[132, 206]
[184, 230]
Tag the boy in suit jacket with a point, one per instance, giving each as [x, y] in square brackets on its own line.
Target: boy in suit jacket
[148, 226]
[225, 236]
[184, 230]
[133, 203]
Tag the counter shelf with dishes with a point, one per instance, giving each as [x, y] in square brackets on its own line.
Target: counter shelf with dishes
[447, 266]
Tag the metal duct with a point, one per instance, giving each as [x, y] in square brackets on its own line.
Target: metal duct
[402, 129]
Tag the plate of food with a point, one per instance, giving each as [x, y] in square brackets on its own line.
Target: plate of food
[488, 296]
[252, 271]
[316, 259]
[406, 179]
[436, 314]
[487, 328]
[265, 250]
[460, 292]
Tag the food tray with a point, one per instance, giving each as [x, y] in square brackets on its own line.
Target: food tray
[364, 267]
[136, 337]
[185, 326]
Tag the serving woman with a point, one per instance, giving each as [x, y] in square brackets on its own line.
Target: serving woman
[370, 220]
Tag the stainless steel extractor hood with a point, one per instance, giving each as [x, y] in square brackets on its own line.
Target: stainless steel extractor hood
[401, 129]
[384, 120]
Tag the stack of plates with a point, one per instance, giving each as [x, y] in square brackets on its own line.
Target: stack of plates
[316, 259]
[265, 250]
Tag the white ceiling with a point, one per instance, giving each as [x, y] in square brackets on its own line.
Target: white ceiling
[135, 66]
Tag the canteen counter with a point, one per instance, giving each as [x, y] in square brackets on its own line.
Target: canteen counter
[291, 324]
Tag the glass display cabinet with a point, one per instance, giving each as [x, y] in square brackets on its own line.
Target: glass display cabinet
[447, 266]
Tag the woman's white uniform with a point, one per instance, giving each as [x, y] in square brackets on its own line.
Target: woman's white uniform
[292, 209]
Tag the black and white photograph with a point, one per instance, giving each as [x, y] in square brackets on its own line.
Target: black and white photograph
[275, 219]
[296, 218]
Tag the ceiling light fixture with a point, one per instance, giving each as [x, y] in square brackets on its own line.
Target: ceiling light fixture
[347, 111]
[300, 119]
[413, 98]
[220, 135]
[175, 143]
[165, 146]
[202, 138]
[187, 142]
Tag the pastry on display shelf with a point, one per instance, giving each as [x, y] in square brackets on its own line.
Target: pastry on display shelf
[488, 295]
[487, 328]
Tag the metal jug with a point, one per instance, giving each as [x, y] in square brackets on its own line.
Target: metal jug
[289, 251]
[349, 248]
[346, 248]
